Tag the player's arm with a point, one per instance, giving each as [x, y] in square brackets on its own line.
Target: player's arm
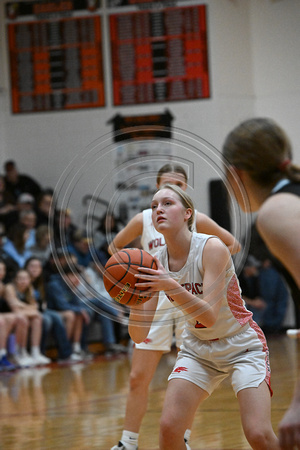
[140, 319]
[206, 225]
[278, 224]
[131, 231]
[12, 300]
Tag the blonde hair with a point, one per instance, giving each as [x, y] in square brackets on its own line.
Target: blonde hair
[185, 199]
[171, 168]
[261, 147]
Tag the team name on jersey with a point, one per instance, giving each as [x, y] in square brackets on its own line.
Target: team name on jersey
[158, 242]
[193, 288]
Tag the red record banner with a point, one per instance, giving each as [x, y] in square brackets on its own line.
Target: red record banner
[159, 55]
[55, 59]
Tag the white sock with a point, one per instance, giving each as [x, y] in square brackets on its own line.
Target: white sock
[23, 352]
[35, 351]
[76, 347]
[187, 435]
[2, 352]
[130, 439]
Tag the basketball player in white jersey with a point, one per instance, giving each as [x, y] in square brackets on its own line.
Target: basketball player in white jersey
[147, 354]
[220, 338]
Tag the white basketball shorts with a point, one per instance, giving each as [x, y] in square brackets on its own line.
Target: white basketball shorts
[244, 357]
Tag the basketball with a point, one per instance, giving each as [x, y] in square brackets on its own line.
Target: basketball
[119, 275]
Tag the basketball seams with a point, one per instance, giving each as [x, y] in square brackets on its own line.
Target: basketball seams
[120, 264]
[118, 281]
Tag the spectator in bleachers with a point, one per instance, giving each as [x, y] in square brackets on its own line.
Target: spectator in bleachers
[42, 249]
[25, 202]
[80, 247]
[17, 183]
[15, 245]
[263, 288]
[11, 265]
[28, 218]
[53, 321]
[62, 295]
[7, 202]
[43, 207]
[112, 328]
[19, 295]
[105, 232]
[64, 228]
[93, 291]
[9, 323]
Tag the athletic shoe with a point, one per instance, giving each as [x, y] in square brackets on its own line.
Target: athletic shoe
[72, 359]
[82, 356]
[116, 348]
[6, 365]
[120, 446]
[76, 357]
[187, 445]
[24, 361]
[41, 360]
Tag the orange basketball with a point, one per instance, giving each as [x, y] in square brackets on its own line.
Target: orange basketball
[119, 279]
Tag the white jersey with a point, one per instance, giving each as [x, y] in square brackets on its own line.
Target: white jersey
[152, 240]
[233, 314]
[168, 320]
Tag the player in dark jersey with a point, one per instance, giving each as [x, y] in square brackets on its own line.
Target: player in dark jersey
[259, 168]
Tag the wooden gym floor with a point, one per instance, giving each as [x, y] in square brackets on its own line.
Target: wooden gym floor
[82, 406]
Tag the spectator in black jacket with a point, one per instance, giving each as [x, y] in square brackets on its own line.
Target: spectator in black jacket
[17, 183]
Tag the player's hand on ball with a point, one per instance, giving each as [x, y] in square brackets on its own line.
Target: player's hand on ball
[154, 279]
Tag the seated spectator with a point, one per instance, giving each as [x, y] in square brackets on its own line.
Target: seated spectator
[250, 285]
[105, 232]
[19, 296]
[93, 292]
[64, 228]
[9, 323]
[62, 296]
[15, 245]
[11, 265]
[7, 202]
[17, 184]
[25, 202]
[80, 247]
[56, 262]
[43, 207]
[28, 218]
[53, 321]
[41, 249]
[263, 288]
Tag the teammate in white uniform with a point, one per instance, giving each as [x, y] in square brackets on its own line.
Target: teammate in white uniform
[147, 354]
[220, 338]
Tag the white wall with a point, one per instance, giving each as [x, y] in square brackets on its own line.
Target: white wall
[246, 38]
[275, 43]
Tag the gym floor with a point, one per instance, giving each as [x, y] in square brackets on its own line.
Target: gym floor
[82, 406]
